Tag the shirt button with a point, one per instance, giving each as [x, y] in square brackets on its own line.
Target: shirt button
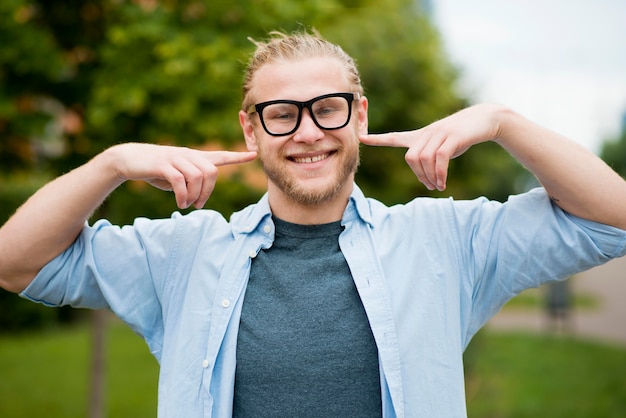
[225, 303]
[252, 253]
[267, 229]
[205, 364]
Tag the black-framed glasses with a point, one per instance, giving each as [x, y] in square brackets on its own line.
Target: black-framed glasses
[282, 117]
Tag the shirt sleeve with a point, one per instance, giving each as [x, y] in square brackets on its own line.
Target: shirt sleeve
[524, 243]
[123, 269]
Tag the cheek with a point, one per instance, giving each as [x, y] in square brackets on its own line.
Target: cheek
[356, 133]
[268, 149]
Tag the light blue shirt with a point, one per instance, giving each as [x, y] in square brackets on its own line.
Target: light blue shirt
[430, 273]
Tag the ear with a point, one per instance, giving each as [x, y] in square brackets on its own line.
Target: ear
[362, 119]
[248, 130]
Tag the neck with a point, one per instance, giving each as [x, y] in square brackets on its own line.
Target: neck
[326, 212]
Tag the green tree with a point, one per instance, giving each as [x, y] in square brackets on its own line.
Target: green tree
[81, 75]
[77, 76]
[410, 83]
[614, 151]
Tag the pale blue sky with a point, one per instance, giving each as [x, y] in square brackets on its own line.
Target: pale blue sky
[561, 63]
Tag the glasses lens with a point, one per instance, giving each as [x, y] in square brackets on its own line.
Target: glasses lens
[280, 118]
[331, 112]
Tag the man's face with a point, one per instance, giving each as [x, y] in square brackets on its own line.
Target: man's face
[311, 165]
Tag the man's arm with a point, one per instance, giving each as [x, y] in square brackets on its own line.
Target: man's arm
[49, 222]
[575, 178]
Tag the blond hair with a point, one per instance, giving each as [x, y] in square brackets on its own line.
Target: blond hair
[295, 46]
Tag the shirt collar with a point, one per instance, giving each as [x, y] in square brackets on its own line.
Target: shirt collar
[358, 208]
[248, 219]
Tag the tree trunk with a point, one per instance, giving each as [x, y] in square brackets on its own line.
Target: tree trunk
[97, 372]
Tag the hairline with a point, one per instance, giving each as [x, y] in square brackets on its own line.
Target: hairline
[250, 98]
[283, 48]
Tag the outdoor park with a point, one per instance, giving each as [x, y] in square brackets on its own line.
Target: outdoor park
[77, 77]
[517, 370]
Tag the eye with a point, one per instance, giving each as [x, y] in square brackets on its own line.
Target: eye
[285, 116]
[325, 111]
[280, 113]
[329, 107]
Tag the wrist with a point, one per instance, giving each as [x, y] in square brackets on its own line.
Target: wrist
[506, 124]
[110, 164]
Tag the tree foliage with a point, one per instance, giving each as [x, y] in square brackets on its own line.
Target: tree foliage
[81, 75]
[613, 152]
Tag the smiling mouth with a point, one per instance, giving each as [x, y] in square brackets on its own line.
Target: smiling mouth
[310, 159]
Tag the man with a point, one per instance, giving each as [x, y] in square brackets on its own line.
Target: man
[316, 301]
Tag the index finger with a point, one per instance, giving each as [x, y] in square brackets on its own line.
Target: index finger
[219, 158]
[390, 139]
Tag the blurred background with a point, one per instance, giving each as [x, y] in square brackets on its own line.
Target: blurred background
[77, 76]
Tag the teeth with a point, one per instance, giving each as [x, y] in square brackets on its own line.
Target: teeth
[310, 159]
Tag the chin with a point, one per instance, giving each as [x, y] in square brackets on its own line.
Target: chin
[318, 188]
[309, 196]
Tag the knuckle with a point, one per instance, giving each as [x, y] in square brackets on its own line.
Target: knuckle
[177, 177]
[425, 156]
[441, 153]
[412, 156]
[211, 171]
[195, 176]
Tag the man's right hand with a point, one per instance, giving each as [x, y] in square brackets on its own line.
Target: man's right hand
[51, 219]
[191, 174]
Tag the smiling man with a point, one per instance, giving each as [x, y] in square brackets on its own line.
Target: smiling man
[315, 301]
[309, 148]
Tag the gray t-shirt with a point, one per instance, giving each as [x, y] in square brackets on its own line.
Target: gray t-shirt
[305, 347]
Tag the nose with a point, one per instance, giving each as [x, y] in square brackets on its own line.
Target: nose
[308, 131]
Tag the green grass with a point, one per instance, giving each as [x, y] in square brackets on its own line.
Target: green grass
[509, 376]
[47, 374]
[513, 375]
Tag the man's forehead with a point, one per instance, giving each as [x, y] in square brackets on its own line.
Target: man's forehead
[299, 79]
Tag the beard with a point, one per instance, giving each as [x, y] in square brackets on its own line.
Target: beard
[302, 194]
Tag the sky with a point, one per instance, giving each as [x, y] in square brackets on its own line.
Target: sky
[561, 63]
